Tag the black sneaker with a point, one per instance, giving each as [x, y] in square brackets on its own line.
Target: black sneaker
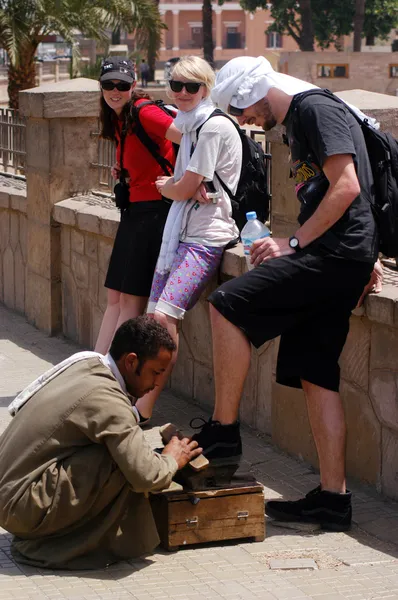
[221, 443]
[331, 510]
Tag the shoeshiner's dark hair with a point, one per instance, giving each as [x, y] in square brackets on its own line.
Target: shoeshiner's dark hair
[144, 336]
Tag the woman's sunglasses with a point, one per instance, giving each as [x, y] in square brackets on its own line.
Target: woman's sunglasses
[122, 86]
[192, 87]
[235, 112]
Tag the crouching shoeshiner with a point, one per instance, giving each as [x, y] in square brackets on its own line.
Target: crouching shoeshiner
[75, 467]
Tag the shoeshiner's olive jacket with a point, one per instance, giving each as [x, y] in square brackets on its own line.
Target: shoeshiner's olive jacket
[74, 471]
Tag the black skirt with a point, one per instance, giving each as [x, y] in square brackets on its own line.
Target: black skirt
[136, 248]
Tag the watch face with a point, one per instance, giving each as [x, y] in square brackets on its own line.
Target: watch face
[293, 242]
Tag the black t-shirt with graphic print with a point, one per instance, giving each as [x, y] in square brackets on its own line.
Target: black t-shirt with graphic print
[320, 128]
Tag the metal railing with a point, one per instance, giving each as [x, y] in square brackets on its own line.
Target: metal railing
[106, 158]
[12, 142]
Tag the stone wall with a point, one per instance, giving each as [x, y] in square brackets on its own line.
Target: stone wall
[369, 362]
[365, 69]
[13, 244]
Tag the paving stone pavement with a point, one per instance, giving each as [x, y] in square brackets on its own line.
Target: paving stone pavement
[361, 565]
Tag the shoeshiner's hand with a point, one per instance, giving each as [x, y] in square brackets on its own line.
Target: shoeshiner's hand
[267, 248]
[375, 284]
[183, 451]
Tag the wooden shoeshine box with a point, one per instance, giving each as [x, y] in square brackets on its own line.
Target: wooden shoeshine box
[194, 517]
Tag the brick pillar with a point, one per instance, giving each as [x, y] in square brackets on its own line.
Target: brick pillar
[176, 29]
[60, 150]
[218, 12]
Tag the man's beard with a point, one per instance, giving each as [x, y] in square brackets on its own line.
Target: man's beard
[269, 123]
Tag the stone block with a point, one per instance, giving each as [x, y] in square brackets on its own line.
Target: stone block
[389, 468]
[69, 305]
[70, 98]
[91, 246]
[79, 266]
[291, 429]
[84, 319]
[234, 262]
[284, 201]
[77, 241]
[4, 228]
[354, 360]
[14, 233]
[39, 206]
[264, 390]
[182, 377]
[20, 275]
[39, 249]
[88, 221]
[384, 396]
[197, 332]
[65, 212]
[23, 236]
[39, 145]
[9, 280]
[383, 347]
[381, 307]
[19, 201]
[4, 198]
[248, 404]
[109, 222]
[93, 282]
[1, 278]
[43, 303]
[203, 384]
[104, 253]
[80, 147]
[56, 132]
[363, 453]
[65, 245]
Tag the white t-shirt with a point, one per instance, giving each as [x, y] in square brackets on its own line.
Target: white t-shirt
[218, 149]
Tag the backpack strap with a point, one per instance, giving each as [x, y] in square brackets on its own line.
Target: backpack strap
[219, 113]
[148, 142]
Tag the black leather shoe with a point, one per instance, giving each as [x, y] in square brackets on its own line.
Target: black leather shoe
[332, 511]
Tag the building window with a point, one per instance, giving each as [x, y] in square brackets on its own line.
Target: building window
[274, 40]
[332, 71]
[393, 70]
[196, 37]
[233, 38]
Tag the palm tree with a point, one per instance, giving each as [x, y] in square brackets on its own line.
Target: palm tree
[208, 44]
[23, 23]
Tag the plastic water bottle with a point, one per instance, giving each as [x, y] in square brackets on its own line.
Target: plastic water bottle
[253, 230]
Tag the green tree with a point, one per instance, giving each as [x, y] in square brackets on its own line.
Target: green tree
[23, 23]
[381, 16]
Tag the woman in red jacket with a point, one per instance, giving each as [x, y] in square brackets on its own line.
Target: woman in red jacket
[139, 235]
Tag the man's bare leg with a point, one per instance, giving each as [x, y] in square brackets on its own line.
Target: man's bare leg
[326, 415]
[231, 359]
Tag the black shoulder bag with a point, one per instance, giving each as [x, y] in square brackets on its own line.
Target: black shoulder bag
[121, 189]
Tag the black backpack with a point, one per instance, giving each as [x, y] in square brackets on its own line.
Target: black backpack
[382, 150]
[147, 141]
[252, 192]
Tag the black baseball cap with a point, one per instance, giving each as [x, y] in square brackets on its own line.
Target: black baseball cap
[117, 67]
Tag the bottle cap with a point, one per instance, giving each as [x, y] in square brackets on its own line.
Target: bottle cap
[251, 215]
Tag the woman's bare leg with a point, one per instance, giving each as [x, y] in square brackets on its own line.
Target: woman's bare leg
[146, 403]
[131, 307]
[109, 320]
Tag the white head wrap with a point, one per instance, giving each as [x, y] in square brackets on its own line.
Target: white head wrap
[244, 81]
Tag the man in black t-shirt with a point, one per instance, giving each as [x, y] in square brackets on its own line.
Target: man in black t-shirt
[303, 287]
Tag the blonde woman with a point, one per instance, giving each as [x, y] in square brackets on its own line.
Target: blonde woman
[199, 226]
